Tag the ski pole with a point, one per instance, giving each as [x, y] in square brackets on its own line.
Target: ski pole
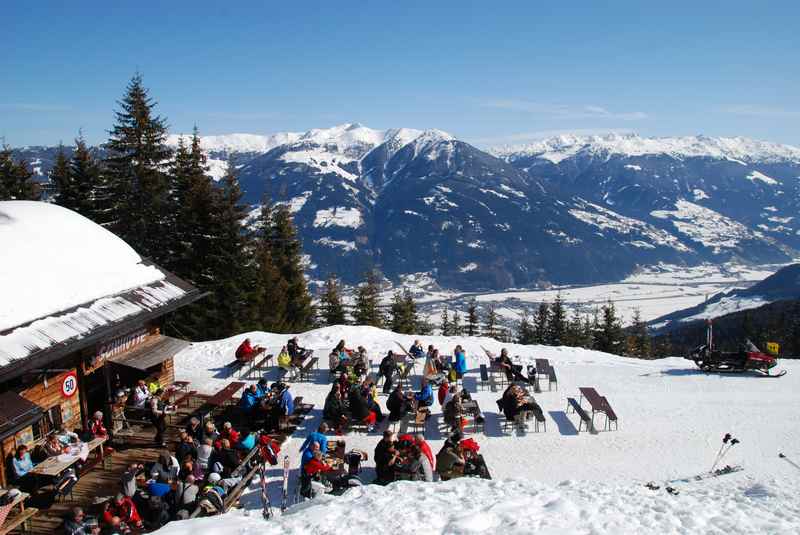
[725, 440]
[788, 460]
[733, 442]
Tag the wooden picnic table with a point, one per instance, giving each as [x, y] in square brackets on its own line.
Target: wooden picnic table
[19, 500]
[52, 466]
[226, 394]
[181, 385]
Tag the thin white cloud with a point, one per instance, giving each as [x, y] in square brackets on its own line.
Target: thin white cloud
[564, 111]
[522, 137]
[751, 110]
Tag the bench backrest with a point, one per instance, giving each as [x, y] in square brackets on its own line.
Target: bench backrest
[592, 397]
[310, 363]
[484, 373]
[578, 409]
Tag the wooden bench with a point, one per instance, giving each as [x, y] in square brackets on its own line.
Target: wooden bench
[260, 365]
[21, 520]
[584, 418]
[542, 372]
[225, 395]
[305, 371]
[484, 375]
[551, 378]
[594, 399]
[185, 398]
[420, 420]
[611, 416]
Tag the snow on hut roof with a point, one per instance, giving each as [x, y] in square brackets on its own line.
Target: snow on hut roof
[65, 281]
[54, 259]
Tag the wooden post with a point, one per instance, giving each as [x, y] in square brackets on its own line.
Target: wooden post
[83, 394]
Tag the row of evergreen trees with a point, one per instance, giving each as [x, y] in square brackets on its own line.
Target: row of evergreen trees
[16, 178]
[164, 203]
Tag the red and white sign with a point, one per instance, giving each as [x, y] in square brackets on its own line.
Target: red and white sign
[69, 386]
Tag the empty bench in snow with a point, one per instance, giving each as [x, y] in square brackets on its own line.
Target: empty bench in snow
[577, 409]
[599, 404]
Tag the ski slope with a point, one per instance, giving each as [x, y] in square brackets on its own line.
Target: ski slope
[672, 419]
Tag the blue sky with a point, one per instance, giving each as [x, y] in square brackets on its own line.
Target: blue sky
[488, 72]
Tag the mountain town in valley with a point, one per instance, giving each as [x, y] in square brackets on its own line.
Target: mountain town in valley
[553, 287]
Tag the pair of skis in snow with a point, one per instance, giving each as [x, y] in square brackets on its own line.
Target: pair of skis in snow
[265, 501]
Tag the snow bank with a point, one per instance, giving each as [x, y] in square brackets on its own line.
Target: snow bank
[55, 259]
[519, 506]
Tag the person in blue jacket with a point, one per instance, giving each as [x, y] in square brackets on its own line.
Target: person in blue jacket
[416, 350]
[249, 399]
[318, 437]
[287, 401]
[461, 362]
[22, 462]
[262, 388]
[425, 396]
[309, 454]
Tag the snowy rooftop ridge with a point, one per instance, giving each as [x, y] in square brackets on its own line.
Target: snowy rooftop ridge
[560, 147]
[55, 259]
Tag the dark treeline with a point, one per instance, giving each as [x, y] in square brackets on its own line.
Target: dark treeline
[164, 203]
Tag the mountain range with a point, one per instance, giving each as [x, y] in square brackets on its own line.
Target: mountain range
[564, 210]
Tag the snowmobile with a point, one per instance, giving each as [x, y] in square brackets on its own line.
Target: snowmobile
[748, 358]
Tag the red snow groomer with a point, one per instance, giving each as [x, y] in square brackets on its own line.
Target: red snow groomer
[748, 358]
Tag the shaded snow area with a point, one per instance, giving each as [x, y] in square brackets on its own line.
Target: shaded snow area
[671, 421]
[61, 260]
[728, 305]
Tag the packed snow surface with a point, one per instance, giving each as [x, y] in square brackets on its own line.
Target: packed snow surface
[61, 260]
[671, 421]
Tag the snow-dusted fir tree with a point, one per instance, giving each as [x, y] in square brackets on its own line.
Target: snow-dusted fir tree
[331, 308]
[16, 179]
[455, 324]
[270, 290]
[541, 321]
[444, 323]
[287, 255]
[490, 327]
[557, 323]
[610, 337]
[525, 334]
[639, 343]
[367, 308]
[472, 318]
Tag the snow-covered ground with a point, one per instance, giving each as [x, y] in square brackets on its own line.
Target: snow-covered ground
[671, 421]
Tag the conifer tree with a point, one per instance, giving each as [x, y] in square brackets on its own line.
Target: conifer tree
[639, 344]
[455, 324]
[269, 295]
[331, 307]
[490, 327]
[86, 178]
[16, 180]
[397, 314]
[541, 321]
[574, 334]
[610, 338]
[444, 325]
[136, 163]
[557, 323]
[59, 176]
[472, 318]
[525, 334]
[287, 255]
[410, 309]
[367, 307]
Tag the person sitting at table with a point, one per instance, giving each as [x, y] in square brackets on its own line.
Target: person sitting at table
[186, 494]
[126, 511]
[450, 459]
[386, 456]
[156, 514]
[359, 409]
[249, 400]
[432, 369]
[286, 399]
[195, 430]
[515, 401]
[425, 395]
[360, 361]
[370, 393]
[228, 457]
[295, 351]
[96, 426]
[315, 468]
[129, 479]
[262, 388]
[399, 404]
[141, 395]
[416, 351]
[308, 453]
[186, 447]
[285, 362]
[158, 484]
[452, 413]
[204, 451]
[22, 465]
[460, 366]
[210, 431]
[513, 371]
[333, 411]
[52, 446]
[410, 467]
[317, 436]
[76, 523]
[246, 352]
[230, 433]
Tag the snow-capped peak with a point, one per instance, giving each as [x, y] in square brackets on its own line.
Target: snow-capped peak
[557, 148]
[238, 142]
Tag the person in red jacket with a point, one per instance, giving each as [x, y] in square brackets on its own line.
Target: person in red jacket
[96, 425]
[246, 352]
[124, 508]
[230, 433]
[316, 465]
